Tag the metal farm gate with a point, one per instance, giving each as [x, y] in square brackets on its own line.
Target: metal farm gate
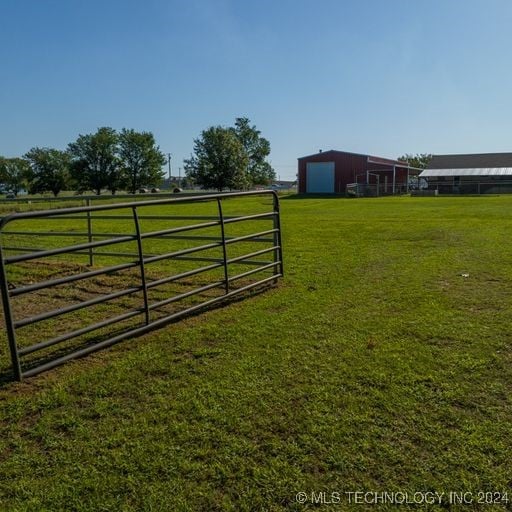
[75, 280]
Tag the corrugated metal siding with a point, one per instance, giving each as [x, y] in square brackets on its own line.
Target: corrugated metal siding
[348, 169]
[471, 161]
[479, 171]
[346, 165]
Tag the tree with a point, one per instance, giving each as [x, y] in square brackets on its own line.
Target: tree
[14, 173]
[186, 182]
[141, 160]
[95, 164]
[219, 160]
[420, 160]
[49, 170]
[258, 149]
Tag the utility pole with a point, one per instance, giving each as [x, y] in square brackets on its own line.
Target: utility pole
[169, 162]
[179, 177]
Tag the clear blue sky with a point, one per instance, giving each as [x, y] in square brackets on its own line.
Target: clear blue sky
[383, 77]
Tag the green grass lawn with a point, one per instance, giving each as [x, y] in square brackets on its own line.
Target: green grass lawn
[373, 366]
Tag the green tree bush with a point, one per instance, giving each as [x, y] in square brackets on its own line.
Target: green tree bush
[219, 160]
[49, 170]
[420, 160]
[259, 171]
[15, 174]
[141, 160]
[233, 158]
[95, 162]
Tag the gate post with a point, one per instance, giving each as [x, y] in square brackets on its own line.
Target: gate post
[224, 251]
[141, 263]
[278, 253]
[9, 324]
[89, 233]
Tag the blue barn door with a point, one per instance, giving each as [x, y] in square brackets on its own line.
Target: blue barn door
[320, 177]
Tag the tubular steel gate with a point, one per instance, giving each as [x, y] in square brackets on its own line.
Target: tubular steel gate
[71, 297]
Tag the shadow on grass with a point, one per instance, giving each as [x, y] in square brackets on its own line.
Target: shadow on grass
[7, 375]
[314, 196]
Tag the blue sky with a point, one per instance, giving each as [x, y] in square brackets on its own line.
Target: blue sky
[381, 77]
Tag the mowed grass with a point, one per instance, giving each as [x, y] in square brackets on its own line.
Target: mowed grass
[373, 366]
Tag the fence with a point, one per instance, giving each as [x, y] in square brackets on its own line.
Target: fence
[468, 187]
[375, 190]
[30, 203]
[72, 284]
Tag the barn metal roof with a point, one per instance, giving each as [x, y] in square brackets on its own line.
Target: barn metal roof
[472, 171]
[370, 158]
[471, 161]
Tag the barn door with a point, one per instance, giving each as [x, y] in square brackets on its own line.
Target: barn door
[320, 177]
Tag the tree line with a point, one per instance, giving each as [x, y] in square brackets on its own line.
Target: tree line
[419, 160]
[230, 157]
[223, 158]
[107, 159]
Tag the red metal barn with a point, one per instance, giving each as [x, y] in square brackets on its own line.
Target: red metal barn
[329, 172]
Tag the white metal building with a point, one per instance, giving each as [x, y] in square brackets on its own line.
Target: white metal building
[482, 173]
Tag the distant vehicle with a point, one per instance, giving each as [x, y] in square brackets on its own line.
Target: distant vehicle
[10, 196]
[155, 190]
[177, 190]
[143, 190]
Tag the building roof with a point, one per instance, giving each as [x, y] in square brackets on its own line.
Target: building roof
[370, 158]
[478, 164]
[471, 161]
[475, 171]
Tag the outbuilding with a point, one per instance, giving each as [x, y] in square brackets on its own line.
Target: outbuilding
[479, 173]
[336, 172]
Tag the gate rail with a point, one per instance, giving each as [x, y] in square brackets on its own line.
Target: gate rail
[140, 262]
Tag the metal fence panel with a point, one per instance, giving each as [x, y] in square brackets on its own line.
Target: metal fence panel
[135, 287]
